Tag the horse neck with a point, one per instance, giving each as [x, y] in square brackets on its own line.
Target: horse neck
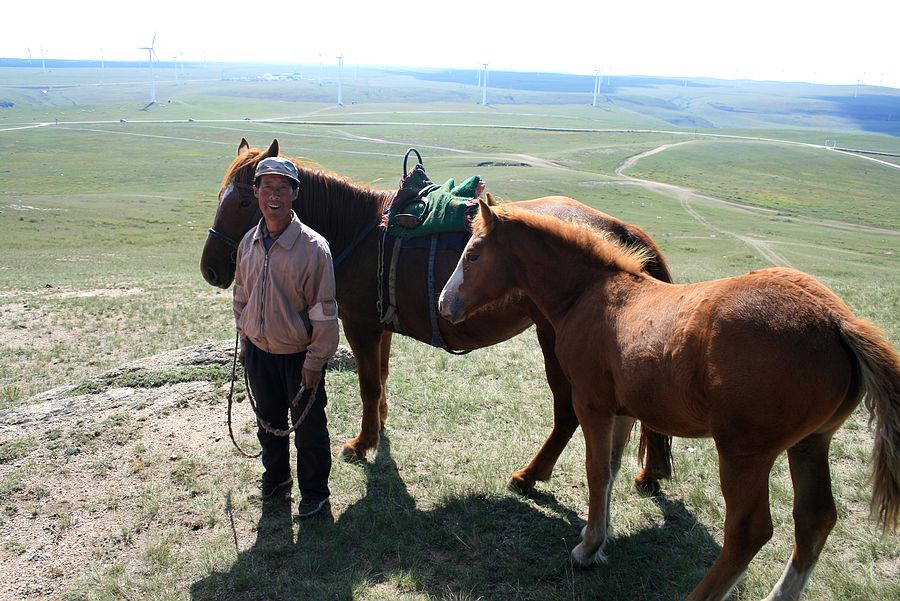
[338, 208]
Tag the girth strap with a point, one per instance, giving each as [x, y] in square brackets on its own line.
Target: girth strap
[390, 315]
[436, 338]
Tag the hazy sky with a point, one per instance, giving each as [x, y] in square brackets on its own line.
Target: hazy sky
[824, 41]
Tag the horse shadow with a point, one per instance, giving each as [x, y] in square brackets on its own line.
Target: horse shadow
[477, 545]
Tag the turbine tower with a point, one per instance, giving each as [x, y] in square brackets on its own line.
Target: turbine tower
[484, 85]
[597, 78]
[340, 60]
[150, 54]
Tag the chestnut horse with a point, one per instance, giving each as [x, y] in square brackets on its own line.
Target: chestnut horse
[345, 213]
[764, 362]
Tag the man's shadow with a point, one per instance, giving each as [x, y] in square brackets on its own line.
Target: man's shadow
[468, 546]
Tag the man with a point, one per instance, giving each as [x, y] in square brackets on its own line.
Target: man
[286, 315]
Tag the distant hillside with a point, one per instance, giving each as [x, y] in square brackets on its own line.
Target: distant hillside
[691, 103]
[707, 103]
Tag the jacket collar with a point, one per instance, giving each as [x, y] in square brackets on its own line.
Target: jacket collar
[287, 237]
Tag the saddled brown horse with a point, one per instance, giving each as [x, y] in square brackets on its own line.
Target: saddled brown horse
[764, 362]
[345, 212]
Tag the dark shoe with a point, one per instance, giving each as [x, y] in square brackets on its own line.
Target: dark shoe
[270, 489]
[308, 508]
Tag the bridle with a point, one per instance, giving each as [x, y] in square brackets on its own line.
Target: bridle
[223, 237]
[242, 187]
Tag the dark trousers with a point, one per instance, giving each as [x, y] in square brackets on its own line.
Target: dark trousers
[275, 381]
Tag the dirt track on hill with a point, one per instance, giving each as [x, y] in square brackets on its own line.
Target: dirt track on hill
[686, 196]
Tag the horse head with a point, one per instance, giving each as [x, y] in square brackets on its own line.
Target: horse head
[237, 212]
[479, 277]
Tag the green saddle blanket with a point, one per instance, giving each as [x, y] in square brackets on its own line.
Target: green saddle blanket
[423, 208]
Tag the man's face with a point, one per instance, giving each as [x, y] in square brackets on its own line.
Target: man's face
[275, 197]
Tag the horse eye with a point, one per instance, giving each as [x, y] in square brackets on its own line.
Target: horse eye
[245, 202]
[472, 257]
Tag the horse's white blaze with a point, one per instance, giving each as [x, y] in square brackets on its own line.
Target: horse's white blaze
[448, 299]
[226, 191]
[791, 585]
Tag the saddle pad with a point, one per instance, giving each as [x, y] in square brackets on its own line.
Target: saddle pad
[446, 208]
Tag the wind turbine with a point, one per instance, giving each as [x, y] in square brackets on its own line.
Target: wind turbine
[150, 54]
[340, 60]
[597, 78]
[484, 85]
[43, 65]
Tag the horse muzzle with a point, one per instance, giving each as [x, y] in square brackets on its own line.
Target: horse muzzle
[451, 308]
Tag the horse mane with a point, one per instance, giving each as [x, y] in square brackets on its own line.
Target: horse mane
[241, 162]
[336, 206]
[588, 245]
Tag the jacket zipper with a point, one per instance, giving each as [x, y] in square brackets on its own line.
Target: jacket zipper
[262, 313]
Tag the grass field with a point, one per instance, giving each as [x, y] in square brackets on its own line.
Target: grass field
[103, 224]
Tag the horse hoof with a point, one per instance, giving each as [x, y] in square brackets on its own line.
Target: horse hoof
[350, 454]
[583, 558]
[647, 486]
[520, 484]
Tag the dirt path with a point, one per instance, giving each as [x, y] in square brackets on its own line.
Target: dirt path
[686, 195]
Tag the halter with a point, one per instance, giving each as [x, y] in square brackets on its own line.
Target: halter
[224, 238]
[242, 187]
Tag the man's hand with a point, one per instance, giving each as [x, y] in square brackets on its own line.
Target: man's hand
[310, 378]
[242, 355]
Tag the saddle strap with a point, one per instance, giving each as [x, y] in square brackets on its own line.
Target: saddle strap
[390, 314]
[436, 338]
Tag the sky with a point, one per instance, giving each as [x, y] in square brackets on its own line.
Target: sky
[820, 41]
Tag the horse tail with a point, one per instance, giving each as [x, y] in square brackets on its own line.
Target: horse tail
[661, 456]
[879, 368]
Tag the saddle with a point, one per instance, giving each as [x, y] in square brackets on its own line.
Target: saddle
[422, 208]
[423, 215]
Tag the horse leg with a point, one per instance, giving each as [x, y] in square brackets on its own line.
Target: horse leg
[565, 422]
[748, 523]
[598, 432]
[621, 433]
[366, 344]
[814, 513]
[385, 356]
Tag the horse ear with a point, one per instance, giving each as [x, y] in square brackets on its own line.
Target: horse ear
[243, 147]
[273, 149]
[487, 215]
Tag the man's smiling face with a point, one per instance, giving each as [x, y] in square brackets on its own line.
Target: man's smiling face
[275, 197]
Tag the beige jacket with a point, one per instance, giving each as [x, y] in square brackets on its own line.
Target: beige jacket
[284, 299]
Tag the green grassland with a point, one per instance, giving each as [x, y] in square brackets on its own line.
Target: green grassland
[104, 211]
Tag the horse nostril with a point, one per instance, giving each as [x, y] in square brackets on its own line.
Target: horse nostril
[211, 276]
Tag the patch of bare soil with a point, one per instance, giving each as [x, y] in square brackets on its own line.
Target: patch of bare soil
[92, 481]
